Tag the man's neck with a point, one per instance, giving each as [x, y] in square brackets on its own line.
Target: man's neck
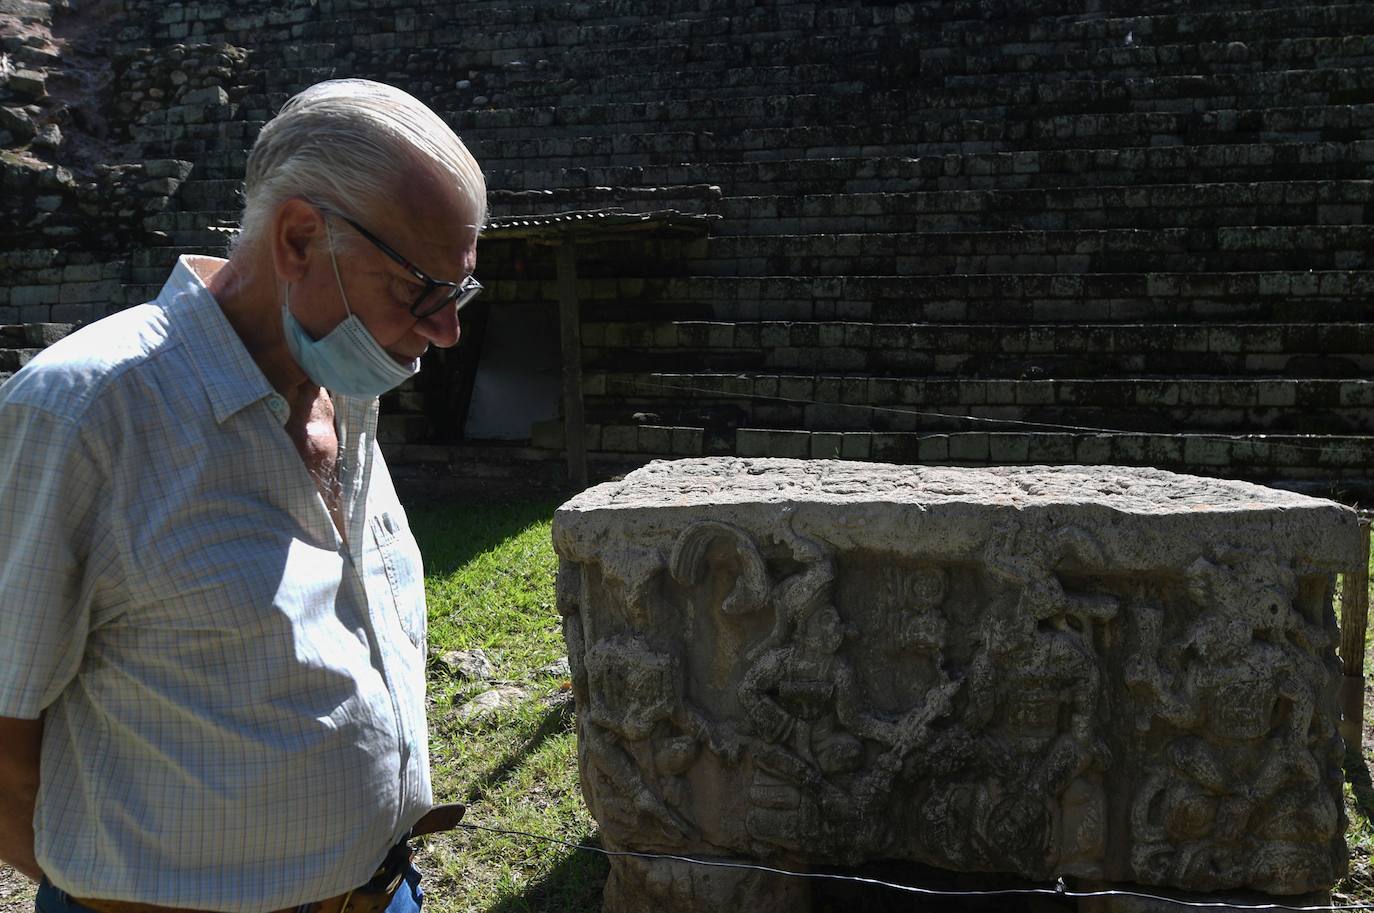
[250, 302]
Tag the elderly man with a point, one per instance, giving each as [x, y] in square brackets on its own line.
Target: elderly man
[213, 619]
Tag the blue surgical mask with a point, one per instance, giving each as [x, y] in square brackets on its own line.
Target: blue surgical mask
[347, 359]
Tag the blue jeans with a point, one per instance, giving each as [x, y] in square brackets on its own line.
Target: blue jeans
[407, 899]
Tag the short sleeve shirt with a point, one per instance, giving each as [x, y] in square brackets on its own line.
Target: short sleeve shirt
[233, 698]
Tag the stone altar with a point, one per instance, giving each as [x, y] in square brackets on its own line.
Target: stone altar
[1119, 674]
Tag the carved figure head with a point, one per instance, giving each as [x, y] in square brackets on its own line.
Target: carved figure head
[1249, 586]
[631, 687]
[823, 630]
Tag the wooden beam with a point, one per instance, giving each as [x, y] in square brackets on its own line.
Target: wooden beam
[570, 331]
[1354, 620]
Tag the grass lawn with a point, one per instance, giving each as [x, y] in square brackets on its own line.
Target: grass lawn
[490, 581]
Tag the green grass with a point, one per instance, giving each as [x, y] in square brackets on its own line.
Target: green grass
[489, 578]
[1358, 886]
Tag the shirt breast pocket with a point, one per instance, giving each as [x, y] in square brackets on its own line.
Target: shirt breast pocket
[400, 557]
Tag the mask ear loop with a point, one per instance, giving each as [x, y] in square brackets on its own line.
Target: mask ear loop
[340, 419]
[335, 260]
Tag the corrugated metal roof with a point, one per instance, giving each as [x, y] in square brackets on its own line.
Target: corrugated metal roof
[581, 225]
[589, 224]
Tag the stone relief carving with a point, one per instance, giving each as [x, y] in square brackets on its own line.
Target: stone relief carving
[642, 735]
[1241, 797]
[1027, 702]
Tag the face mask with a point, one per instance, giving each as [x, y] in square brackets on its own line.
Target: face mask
[347, 359]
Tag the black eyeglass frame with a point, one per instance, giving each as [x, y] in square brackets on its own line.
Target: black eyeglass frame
[460, 293]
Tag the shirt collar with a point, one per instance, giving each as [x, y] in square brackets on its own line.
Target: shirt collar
[232, 380]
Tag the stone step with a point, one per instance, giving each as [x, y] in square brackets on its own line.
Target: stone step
[930, 60]
[32, 335]
[195, 141]
[12, 360]
[210, 194]
[867, 104]
[506, 34]
[875, 59]
[1144, 56]
[1005, 351]
[483, 467]
[1271, 203]
[199, 230]
[1015, 94]
[1222, 249]
[1251, 456]
[850, 402]
[504, 18]
[1097, 298]
[812, 136]
[1334, 19]
[818, 106]
[1048, 168]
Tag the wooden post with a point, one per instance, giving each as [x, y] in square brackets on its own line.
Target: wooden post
[570, 330]
[1354, 618]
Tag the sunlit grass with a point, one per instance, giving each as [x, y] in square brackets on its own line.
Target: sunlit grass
[489, 580]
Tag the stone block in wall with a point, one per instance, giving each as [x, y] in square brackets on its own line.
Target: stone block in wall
[42, 335]
[32, 84]
[87, 292]
[1123, 675]
[206, 97]
[168, 168]
[78, 313]
[29, 295]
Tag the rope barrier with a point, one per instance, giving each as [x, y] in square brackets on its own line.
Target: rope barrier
[1061, 889]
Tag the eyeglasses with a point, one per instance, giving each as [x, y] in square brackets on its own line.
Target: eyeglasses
[437, 293]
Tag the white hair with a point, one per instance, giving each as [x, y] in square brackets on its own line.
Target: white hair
[347, 145]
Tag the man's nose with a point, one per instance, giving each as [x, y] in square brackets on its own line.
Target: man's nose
[441, 328]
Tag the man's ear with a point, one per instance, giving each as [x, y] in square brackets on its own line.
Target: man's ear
[296, 228]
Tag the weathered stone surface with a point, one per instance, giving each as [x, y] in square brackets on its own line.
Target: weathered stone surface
[489, 702]
[168, 168]
[210, 95]
[469, 664]
[49, 136]
[32, 83]
[1124, 675]
[18, 122]
[41, 335]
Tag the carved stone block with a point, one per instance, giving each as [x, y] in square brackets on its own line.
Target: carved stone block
[1123, 675]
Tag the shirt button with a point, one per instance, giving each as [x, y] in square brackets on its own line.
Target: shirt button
[277, 404]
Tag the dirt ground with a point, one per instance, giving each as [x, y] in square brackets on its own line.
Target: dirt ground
[16, 891]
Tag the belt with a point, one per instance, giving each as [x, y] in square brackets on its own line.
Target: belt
[372, 897]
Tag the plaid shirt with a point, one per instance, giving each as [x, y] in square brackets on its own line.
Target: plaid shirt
[233, 700]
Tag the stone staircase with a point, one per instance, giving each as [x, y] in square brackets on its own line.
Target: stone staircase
[973, 231]
[1094, 238]
[19, 343]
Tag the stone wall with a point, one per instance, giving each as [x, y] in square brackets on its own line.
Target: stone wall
[1074, 215]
